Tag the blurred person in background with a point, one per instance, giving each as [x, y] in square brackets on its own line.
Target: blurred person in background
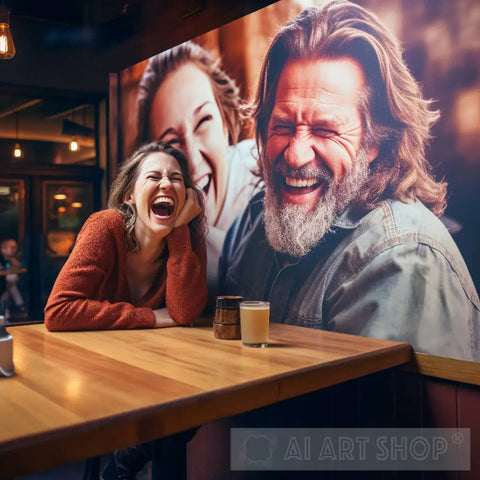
[14, 304]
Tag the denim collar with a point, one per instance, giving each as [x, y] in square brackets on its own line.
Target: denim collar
[351, 217]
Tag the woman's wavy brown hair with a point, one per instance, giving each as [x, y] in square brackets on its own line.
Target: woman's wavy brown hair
[159, 66]
[396, 118]
[125, 181]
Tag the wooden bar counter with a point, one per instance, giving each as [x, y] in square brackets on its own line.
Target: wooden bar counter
[80, 394]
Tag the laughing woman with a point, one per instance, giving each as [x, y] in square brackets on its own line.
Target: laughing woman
[186, 100]
[142, 262]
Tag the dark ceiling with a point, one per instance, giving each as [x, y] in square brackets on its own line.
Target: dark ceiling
[86, 23]
[100, 12]
[75, 12]
[64, 24]
[59, 41]
[70, 12]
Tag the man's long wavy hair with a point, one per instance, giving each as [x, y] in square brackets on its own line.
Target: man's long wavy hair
[125, 180]
[395, 116]
[159, 66]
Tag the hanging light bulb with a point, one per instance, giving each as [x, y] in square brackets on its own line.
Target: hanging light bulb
[73, 145]
[7, 48]
[17, 151]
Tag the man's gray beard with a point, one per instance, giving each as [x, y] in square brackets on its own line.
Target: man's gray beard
[291, 229]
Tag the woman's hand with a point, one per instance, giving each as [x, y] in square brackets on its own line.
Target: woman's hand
[191, 208]
[163, 319]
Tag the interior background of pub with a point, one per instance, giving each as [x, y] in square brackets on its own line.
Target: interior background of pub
[46, 195]
[442, 48]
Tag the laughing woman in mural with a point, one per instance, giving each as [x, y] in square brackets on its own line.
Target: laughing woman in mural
[186, 100]
[142, 262]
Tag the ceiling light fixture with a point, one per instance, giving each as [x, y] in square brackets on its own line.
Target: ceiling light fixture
[73, 145]
[7, 48]
[17, 151]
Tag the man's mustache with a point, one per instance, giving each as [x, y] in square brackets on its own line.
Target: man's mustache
[310, 170]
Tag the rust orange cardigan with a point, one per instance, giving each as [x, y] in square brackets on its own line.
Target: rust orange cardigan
[92, 293]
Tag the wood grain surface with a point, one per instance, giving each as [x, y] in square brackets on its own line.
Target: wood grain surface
[81, 394]
[446, 368]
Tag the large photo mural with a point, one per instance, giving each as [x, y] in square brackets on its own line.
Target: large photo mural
[339, 122]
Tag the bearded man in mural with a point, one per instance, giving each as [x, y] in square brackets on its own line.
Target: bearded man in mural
[346, 235]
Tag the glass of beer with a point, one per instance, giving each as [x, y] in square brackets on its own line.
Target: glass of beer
[254, 320]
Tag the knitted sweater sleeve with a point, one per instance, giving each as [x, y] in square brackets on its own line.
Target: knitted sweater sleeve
[186, 294]
[87, 294]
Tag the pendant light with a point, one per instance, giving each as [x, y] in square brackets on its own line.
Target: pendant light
[73, 145]
[17, 151]
[7, 48]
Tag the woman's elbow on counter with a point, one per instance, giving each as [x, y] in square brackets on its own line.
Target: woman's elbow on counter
[53, 319]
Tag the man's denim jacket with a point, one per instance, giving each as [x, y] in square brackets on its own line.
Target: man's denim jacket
[393, 273]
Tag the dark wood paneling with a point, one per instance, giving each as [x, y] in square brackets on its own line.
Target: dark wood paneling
[439, 409]
[376, 398]
[396, 398]
[440, 405]
[468, 403]
[409, 399]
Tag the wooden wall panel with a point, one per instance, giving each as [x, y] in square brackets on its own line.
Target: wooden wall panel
[408, 400]
[440, 403]
[439, 410]
[376, 400]
[468, 403]
[395, 398]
